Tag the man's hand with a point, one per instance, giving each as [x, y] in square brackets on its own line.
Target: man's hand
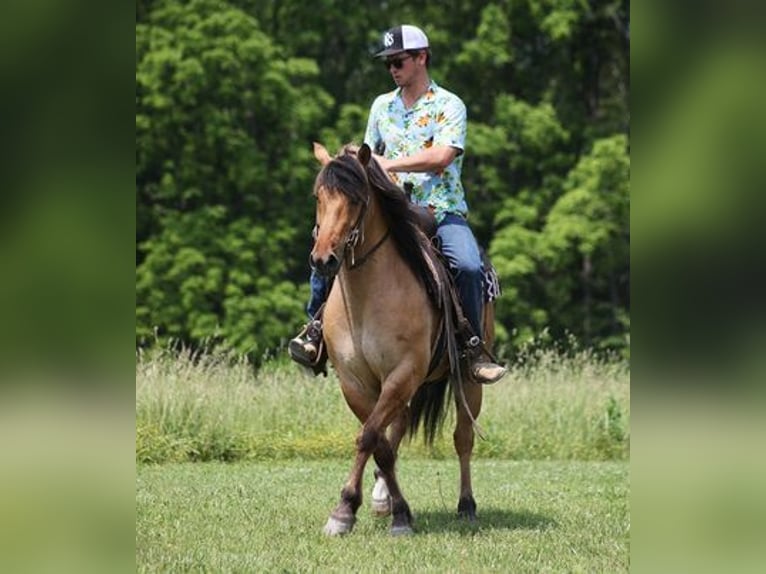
[385, 163]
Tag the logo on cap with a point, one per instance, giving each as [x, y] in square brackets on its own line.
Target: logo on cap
[388, 39]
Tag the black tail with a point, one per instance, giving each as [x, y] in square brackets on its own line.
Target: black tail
[428, 408]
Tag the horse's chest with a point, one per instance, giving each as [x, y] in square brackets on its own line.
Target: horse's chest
[362, 353]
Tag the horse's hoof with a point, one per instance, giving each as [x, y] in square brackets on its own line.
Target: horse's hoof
[335, 527]
[381, 507]
[404, 530]
[466, 509]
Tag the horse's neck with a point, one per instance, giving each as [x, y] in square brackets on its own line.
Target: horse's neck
[374, 228]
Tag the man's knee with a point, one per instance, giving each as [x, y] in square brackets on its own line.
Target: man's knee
[469, 269]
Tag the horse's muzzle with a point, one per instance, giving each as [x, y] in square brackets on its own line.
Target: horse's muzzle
[326, 267]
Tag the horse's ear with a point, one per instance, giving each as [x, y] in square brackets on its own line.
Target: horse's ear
[363, 155]
[321, 153]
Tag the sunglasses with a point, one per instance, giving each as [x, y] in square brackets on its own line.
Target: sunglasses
[396, 62]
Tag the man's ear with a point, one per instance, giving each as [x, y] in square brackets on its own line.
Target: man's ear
[364, 154]
[321, 153]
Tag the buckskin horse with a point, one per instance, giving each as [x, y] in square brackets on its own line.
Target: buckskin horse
[383, 321]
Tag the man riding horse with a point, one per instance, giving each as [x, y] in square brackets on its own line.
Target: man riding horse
[418, 133]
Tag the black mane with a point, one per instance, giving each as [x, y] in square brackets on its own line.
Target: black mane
[346, 174]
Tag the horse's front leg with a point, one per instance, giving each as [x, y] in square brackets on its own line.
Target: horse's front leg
[371, 440]
[463, 440]
[343, 517]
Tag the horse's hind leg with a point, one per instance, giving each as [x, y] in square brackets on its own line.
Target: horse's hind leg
[381, 498]
[463, 440]
[402, 517]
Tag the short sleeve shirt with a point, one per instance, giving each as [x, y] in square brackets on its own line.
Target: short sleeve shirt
[437, 118]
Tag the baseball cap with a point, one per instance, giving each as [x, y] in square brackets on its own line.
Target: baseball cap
[401, 38]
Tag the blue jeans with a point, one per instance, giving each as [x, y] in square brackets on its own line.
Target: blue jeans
[459, 247]
[319, 292]
[461, 250]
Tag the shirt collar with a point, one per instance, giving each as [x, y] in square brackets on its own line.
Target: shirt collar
[428, 98]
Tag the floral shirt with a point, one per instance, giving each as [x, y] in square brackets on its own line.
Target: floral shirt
[437, 118]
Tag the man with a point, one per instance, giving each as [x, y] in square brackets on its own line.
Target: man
[418, 133]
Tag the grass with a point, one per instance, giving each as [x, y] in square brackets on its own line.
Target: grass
[563, 516]
[203, 407]
[551, 478]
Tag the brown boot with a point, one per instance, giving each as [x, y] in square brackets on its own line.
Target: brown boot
[304, 348]
[486, 373]
[480, 365]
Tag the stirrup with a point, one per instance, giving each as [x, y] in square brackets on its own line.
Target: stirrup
[311, 334]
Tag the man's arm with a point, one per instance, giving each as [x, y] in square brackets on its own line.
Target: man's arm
[435, 158]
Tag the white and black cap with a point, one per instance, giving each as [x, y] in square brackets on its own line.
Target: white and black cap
[402, 38]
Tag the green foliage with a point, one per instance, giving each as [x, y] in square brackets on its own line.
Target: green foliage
[586, 229]
[490, 47]
[592, 214]
[222, 124]
[231, 93]
[557, 18]
[206, 278]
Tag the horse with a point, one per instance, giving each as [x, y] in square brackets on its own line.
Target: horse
[381, 327]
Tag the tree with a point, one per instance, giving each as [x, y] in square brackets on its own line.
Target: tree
[223, 125]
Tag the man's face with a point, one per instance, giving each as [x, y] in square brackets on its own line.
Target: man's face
[402, 66]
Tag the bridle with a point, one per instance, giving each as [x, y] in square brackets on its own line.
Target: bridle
[354, 237]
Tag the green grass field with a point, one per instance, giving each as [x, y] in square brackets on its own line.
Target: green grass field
[238, 470]
[268, 516]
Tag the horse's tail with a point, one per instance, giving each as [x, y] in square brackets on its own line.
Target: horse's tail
[428, 408]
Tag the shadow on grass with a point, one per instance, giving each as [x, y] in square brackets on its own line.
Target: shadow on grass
[487, 519]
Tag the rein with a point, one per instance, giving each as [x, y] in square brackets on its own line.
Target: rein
[355, 264]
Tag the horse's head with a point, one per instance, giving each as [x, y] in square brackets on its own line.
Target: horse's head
[343, 194]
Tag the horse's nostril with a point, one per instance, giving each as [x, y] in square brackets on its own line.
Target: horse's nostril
[325, 267]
